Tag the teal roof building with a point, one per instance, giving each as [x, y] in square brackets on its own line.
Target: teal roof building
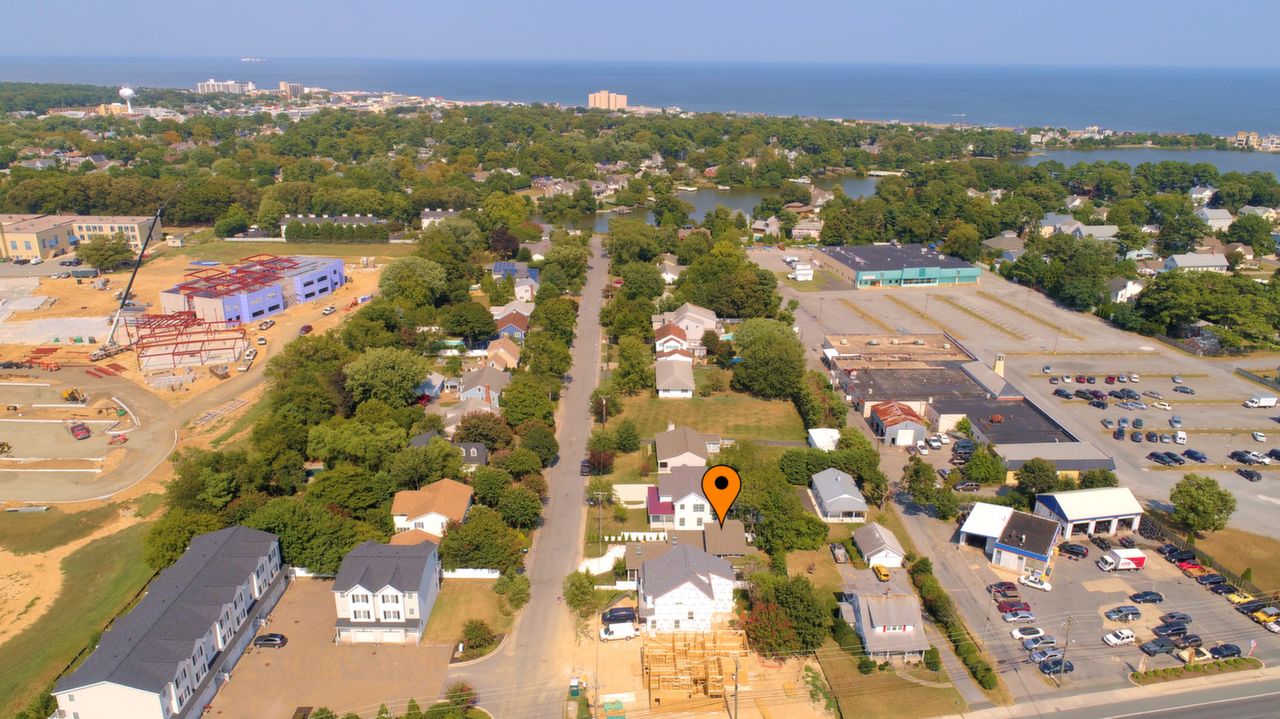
[872, 266]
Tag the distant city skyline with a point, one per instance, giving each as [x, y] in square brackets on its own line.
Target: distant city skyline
[1140, 33]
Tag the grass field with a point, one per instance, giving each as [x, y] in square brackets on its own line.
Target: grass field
[222, 251]
[823, 281]
[892, 696]
[733, 415]
[626, 468]
[637, 521]
[102, 578]
[461, 600]
[32, 532]
[239, 424]
[1238, 551]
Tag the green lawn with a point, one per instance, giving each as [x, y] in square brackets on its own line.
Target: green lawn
[637, 521]
[1238, 551]
[823, 281]
[461, 600]
[32, 532]
[734, 415]
[627, 468]
[893, 696]
[222, 251]
[239, 424]
[100, 580]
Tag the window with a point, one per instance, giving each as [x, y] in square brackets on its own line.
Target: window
[359, 598]
[392, 615]
[699, 521]
[675, 624]
[682, 521]
[391, 599]
[699, 508]
[691, 616]
[362, 614]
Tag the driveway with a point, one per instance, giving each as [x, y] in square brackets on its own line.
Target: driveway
[313, 671]
[529, 675]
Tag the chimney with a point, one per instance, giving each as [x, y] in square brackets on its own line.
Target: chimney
[998, 367]
[670, 425]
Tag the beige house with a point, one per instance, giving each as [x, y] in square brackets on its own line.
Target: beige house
[684, 447]
[134, 229]
[42, 236]
[431, 508]
[503, 354]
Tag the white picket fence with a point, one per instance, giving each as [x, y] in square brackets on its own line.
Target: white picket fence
[635, 537]
[472, 574]
[618, 586]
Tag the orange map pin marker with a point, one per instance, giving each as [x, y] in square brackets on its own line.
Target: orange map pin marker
[721, 485]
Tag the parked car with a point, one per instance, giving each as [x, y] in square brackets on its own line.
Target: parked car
[1181, 555]
[270, 641]
[1127, 542]
[921, 447]
[1211, 579]
[882, 573]
[1175, 421]
[1162, 406]
[1136, 437]
[1108, 423]
[1259, 437]
[1002, 587]
[266, 325]
[1007, 607]
[1224, 651]
[1064, 394]
[1118, 434]
[1099, 403]
[1175, 458]
[1018, 617]
[328, 310]
[1159, 458]
[1175, 618]
[1043, 655]
[1183, 389]
[1224, 589]
[1056, 666]
[1071, 549]
[1124, 613]
[968, 487]
[1252, 475]
[612, 632]
[1119, 637]
[934, 442]
[1147, 597]
[306, 330]
[1195, 455]
[584, 468]
[1153, 437]
[1137, 423]
[1170, 630]
[1041, 642]
[618, 615]
[1188, 641]
[262, 341]
[1035, 583]
[1152, 394]
[1159, 645]
[1023, 633]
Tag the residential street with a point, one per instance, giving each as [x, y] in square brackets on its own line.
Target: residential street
[527, 676]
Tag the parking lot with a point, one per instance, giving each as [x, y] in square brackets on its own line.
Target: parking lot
[313, 671]
[999, 317]
[1073, 613]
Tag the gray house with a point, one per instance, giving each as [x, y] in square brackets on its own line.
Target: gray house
[384, 593]
[484, 384]
[837, 498]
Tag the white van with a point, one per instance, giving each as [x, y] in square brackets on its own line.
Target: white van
[611, 632]
[1179, 437]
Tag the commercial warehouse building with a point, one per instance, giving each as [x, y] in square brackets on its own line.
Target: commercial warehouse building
[871, 266]
[261, 286]
[44, 236]
[1104, 510]
[1012, 540]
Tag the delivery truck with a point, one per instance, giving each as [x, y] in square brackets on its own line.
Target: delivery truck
[1117, 560]
[1261, 400]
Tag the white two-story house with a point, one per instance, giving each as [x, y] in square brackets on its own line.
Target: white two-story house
[685, 589]
[677, 501]
[384, 593]
[162, 660]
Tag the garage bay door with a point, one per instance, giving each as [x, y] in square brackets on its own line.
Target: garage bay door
[363, 636]
[390, 636]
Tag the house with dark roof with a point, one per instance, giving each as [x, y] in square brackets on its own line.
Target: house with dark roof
[384, 593]
[1017, 541]
[685, 589]
[670, 337]
[677, 502]
[162, 659]
[513, 325]
[517, 270]
[474, 454]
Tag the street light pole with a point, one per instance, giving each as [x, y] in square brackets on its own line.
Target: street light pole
[1066, 644]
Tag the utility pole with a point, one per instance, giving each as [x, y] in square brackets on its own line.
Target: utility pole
[1066, 643]
[600, 542]
[735, 686]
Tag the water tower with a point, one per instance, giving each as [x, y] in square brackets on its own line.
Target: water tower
[126, 94]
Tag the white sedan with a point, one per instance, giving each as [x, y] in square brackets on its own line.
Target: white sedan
[1259, 437]
[921, 447]
[1024, 633]
[1162, 405]
[1035, 583]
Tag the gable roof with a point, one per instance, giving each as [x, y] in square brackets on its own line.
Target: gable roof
[892, 610]
[1077, 504]
[832, 484]
[1213, 213]
[496, 380]
[412, 536]
[682, 439]
[671, 353]
[513, 319]
[524, 308]
[669, 330]
[680, 483]
[447, 497]
[506, 345]
[674, 375]
[873, 539]
[142, 649]
[372, 566]
[1191, 259]
[892, 413]
[682, 565]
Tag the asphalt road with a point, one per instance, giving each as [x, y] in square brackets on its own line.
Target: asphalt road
[527, 677]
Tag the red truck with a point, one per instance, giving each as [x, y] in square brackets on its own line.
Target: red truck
[79, 430]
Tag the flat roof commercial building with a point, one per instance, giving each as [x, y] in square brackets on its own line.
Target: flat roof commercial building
[42, 236]
[261, 286]
[872, 266]
[1012, 540]
[1104, 510]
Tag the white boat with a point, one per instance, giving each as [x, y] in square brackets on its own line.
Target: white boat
[722, 188]
[253, 59]
[686, 188]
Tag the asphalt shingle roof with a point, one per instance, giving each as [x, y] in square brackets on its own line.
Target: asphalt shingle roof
[372, 565]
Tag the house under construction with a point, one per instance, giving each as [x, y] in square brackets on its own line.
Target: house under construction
[180, 339]
[689, 670]
[258, 287]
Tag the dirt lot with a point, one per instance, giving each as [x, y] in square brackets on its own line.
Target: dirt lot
[313, 671]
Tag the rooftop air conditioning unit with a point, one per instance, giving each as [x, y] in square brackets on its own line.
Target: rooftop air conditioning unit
[919, 343]
[946, 345]
[873, 343]
[893, 341]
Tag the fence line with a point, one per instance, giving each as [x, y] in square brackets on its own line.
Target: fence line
[1182, 541]
[1254, 377]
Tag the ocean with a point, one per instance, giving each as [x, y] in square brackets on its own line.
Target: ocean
[1218, 101]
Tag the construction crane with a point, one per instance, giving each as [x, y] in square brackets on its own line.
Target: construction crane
[113, 348]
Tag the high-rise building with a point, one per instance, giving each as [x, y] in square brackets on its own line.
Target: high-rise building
[231, 87]
[291, 90]
[605, 100]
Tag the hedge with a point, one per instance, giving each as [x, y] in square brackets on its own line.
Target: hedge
[939, 606]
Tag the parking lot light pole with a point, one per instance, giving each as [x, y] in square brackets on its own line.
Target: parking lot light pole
[1066, 644]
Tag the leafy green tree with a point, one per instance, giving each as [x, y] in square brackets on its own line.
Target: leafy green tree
[641, 281]
[918, 477]
[386, 373]
[515, 588]
[539, 438]
[415, 281]
[605, 403]
[527, 399]
[310, 535]
[518, 462]
[1036, 476]
[772, 360]
[234, 221]
[520, 507]
[484, 541]
[984, 467]
[634, 372]
[106, 253]
[964, 242]
[1096, 478]
[945, 504]
[487, 428]
[770, 631]
[546, 356]
[1254, 231]
[471, 321]
[1201, 504]
[169, 537]
[416, 467]
[489, 484]
[579, 592]
[626, 437]
[351, 490]
[366, 445]
[631, 241]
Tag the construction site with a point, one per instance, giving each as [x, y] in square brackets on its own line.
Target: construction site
[688, 671]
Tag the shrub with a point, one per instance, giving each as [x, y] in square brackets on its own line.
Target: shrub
[515, 587]
[932, 659]
[477, 636]
[866, 665]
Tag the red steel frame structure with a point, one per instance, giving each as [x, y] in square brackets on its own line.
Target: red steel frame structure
[254, 272]
[181, 339]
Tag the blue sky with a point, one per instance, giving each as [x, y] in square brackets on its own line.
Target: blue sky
[997, 32]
